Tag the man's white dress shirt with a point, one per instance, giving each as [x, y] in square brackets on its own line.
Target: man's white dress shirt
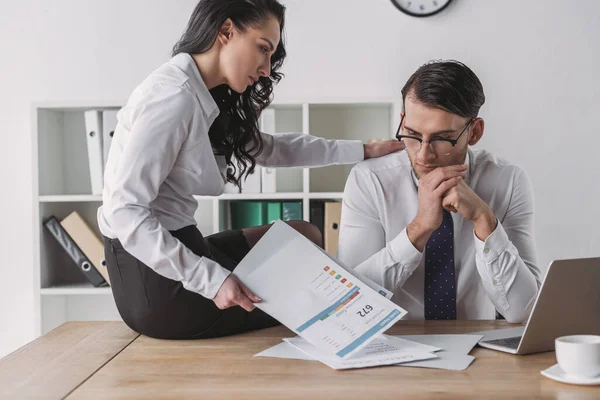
[500, 273]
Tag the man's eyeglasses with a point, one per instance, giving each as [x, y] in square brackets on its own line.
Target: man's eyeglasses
[440, 147]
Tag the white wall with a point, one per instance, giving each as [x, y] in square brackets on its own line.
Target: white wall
[538, 61]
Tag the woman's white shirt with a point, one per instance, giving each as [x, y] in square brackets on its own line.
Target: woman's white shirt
[161, 157]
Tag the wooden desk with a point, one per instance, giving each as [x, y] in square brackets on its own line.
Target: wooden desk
[106, 360]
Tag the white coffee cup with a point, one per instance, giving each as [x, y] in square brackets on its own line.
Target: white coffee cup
[579, 355]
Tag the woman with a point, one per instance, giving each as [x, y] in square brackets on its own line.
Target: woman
[177, 135]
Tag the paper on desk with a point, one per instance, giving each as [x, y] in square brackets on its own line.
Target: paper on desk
[458, 344]
[454, 357]
[410, 345]
[445, 360]
[312, 295]
[500, 333]
[380, 351]
[455, 360]
[286, 350]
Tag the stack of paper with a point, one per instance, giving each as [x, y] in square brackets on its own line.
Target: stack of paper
[451, 352]
[313, 295]
[384, 350]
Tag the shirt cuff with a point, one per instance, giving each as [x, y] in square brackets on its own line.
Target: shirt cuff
[350, 151]
[494, 245]
[403, 251]
[209, 278]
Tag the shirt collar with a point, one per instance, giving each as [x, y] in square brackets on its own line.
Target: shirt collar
[185, 62]
[467, 172]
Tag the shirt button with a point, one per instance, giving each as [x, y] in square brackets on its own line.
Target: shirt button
[494, 281]
[486, 250]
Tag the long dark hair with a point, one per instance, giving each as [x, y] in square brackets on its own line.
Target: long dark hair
[235, 133]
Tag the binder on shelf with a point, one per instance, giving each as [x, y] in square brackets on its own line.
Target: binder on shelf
[252, 183]
[268, 180]
[246, 214]
[274, 212]
[291, 211]
[317, 215]
[93, 127]
[81, 261]
[89, 243]
[333, 215]
[109, 124]
[249, 213]
[268, 175]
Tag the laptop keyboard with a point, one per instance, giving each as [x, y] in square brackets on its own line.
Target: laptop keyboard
[511, 342]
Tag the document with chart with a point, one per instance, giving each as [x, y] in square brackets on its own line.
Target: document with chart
[383, 350]
[307, 291]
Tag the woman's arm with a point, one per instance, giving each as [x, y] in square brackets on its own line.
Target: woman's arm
[301, 150]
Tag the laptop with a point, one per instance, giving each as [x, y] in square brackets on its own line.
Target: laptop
[568, 303]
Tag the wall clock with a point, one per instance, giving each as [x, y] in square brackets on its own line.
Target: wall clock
[421, 8]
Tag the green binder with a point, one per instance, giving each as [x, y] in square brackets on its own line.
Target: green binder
[273, 211]
[291, 210]
[249, 213]
[246, 214]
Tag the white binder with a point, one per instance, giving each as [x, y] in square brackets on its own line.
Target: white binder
[268, 175]
[268, 180]
[93, 127]
[252, 183]
[109, 124]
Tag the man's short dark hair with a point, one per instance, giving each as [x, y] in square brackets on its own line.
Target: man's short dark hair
[449, 85]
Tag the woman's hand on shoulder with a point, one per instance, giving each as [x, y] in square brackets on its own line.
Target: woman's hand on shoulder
[382, 147]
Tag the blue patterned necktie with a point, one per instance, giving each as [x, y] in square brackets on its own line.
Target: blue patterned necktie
[440, 279]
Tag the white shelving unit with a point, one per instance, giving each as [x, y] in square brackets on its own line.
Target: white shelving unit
[62, 185]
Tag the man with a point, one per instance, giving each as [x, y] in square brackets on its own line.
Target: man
[447, 228]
